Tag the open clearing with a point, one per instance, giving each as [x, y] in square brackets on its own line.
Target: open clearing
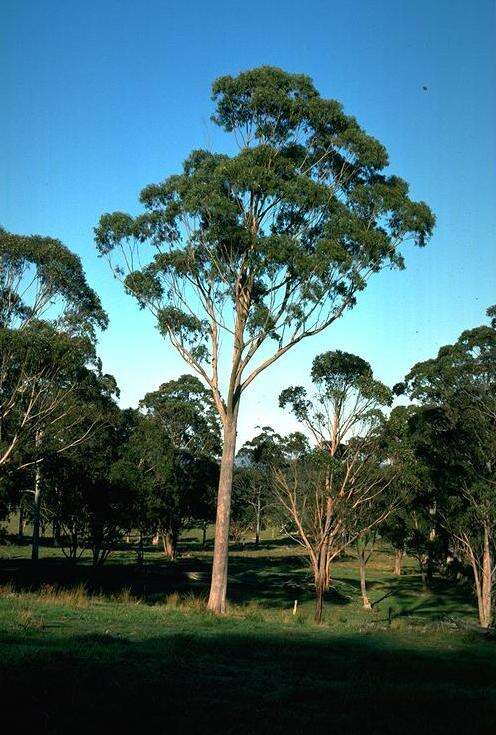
[126, 648]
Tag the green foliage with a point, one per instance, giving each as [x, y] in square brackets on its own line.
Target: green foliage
[456, 440]
[346, 401]
[170, 458]
[185, 411]
[51, 391]
[48, 365]
[282, 234]
[41, 276]
[85, 495]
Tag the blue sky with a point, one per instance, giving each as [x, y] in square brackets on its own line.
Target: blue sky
[102, 97]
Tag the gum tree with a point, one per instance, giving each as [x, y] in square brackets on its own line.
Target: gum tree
[339, 492]
[48, 316]
[257, 459]
[460, 385]
[243, 255]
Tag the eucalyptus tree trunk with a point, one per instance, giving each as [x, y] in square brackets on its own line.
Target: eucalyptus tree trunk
[218, 587]
[423, 561]
[258, 520]
[74, 543]
[35, 543]
[35, 547]
[363, 582]
[483, 582]
[169, 542]
[321, 579]
[320, 590]
[140, 554]
[398, 559]
[56, 532]
[487, 583]
[20, 532]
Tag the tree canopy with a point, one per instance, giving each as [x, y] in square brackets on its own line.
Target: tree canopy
[258, 249]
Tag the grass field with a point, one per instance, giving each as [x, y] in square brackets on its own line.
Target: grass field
[128, 648]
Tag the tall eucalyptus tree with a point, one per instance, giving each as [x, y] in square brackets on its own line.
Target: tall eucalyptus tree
[243, 255]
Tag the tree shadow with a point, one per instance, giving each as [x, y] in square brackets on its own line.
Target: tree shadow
[232, 680]
[272, 580]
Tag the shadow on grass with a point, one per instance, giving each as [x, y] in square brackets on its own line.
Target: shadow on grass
[269, 578]
[214, 678]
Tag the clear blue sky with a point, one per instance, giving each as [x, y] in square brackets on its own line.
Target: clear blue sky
[102, 97]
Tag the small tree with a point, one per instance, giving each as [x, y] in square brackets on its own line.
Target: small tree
[93, 507]
[183, 417]
[324, 495]
[364, 548]
[174, 484]
[258, 250]
[411, 438]
[257, 460]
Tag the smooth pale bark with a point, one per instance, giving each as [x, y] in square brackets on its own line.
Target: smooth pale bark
[74, 544]
[218, 587]
[398, 560]
[323, 564]
[363, 583]
[321, 579]
[426, 573]
[35, 547]
[169, 542]
[484, 582]
[320, 589]
[423, 576]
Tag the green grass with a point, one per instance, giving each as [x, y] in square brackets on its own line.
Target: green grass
[129, 649]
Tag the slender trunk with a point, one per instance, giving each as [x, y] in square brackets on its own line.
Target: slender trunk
[140, 549]
[363, 582]
[169, 542]
[398, 559]
[99, 555]
[74, 546]
[257, 521]
[433, 515]
[218, 586]
[204, 536]
[323, 565]
[423, 561]
[319, 597]
[429, 571]
[35, 548]
[56, 532]
[485, 601]
[21, 521]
